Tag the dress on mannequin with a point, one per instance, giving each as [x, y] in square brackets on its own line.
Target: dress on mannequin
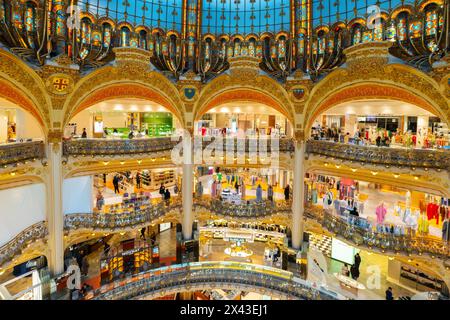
[381, 213]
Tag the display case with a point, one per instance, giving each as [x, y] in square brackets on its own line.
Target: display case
[419, 280]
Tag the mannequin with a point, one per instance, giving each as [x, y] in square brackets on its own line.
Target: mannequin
[408, 199]
[381, 213]
[446, 230]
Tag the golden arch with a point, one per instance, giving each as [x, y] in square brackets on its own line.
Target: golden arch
[393, 82]
[112, 83]
[228, 88]
[21, 85]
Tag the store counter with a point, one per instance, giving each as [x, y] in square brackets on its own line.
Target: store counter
[349, 284]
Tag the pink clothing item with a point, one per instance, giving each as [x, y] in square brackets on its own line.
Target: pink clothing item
[381, 214]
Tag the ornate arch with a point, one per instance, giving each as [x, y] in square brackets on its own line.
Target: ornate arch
[21, 85]
[116, 82]
[244, 87]
[371, 77]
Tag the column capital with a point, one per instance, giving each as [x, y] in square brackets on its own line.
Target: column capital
[55, 136]
[299, 136]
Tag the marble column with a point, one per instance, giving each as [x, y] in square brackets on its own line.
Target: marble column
[298, 204]
[55, 212]
[187, 184]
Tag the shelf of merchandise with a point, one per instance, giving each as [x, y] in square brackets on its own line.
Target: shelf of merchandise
[418, 280]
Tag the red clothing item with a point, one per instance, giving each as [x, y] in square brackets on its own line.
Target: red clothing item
[433, 212]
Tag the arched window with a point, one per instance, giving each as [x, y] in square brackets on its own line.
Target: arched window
[356, 34]
[86, 31]
[124, 37]
[143, 39]
[301, 43]
[282, 47]
[415, 29]
[237, 47]
[431, 22]
[30, 18]
[378, 31]
[106, 35]
[401, 26]
[252, 47]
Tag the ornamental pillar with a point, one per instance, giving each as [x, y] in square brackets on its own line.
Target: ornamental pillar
[54, 204]
[298, 203]
[187, 185]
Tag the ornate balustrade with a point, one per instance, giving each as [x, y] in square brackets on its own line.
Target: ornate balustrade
[249, 144]
[15, 246]
[18, 152]
[111, 222]
[360, 233]
[419, 158]
[116, 147]
[229, 275]
[254, 210]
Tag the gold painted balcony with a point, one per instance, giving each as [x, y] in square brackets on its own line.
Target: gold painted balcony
[15, 153]
[386, 156]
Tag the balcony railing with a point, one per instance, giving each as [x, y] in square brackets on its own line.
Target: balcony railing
[132, 218]
[15, 246]
[419, 158]
[200, 275]
[19, 152]
[361, 233]
[116, 147]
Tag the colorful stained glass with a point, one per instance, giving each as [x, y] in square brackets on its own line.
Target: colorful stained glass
[17, 20]
[273, 51]
[230, 52]
[401, 29]
[106, 35]
[415, 29]
[251, 49]
[367, 36]
[85, 32]
[259, 53]
[96, 39]
[330, 45]
[207, 52]
[143, 40]
[29, 19]
[244, 50]
[237, 49]
[301, 43]
[378, 32]
[356, 36]
[133, 43]
[431, 23]
[321, 42]
[60, 23]
[282, 49]
[390, 33]
[125, 37]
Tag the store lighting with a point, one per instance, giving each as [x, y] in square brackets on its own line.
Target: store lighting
[153, 159]
[409, 260]
[122, 233]
[416, 178]
[2, 271]
[13, 174]
[337, 166]
[374, 173]
[326, 164]
[139, 161]
[163, 158]
[92, 234]
[105, 163]
[391, 258]
[122, 162]
[396, 176]
[354, 170]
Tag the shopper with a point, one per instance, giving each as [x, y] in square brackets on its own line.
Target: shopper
[162, 190]
[116, 184]
[175, 189]
[389, 294]
[84, 266]
[378, 141]
[259, 193]
[199, 189]
[131, 135]
[138, 180]
[143, 233]
[236, 186]
[357, 260]
[167, 195]
[345, 271]
[100, 200]
[270, 193]
[287, 191]
[354, 272]
[84, 134]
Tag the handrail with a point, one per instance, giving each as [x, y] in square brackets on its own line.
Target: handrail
[421, 158]
[12, 153]
[213, 274]
[358, 232]
[13, 247]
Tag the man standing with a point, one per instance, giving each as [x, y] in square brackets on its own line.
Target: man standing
[116, 184]
[287, 192]
[389, 294]
[138, 180]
